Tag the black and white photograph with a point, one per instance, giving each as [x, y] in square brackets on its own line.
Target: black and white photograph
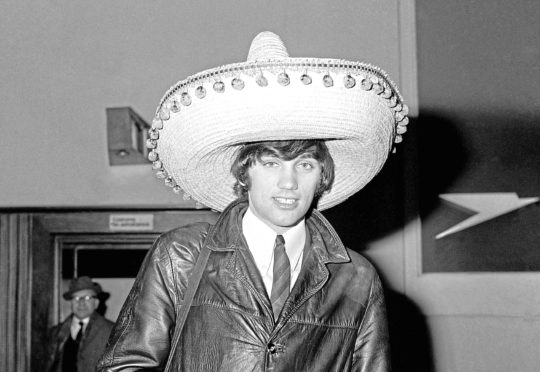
[286, 186]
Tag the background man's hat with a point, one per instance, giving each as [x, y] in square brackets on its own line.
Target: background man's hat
[203, 120]
[78, 284]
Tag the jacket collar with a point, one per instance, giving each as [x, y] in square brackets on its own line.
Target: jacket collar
[226, 234]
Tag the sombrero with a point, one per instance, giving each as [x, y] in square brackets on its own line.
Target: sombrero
[202, 121]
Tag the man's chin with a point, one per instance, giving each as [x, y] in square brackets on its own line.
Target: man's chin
[287, 222]
[82, 315]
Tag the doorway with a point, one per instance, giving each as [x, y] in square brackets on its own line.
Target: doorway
[42, 250]
[112, 261]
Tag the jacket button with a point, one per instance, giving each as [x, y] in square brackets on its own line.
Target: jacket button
[272, 348]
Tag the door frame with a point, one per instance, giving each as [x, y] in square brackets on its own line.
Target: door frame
[29, 283]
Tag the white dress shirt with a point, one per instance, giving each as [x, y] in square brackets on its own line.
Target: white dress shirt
[260, 239]
[75, 326]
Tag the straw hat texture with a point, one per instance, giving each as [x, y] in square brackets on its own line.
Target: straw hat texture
[203, 120]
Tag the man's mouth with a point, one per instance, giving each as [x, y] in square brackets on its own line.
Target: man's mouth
[286, 201]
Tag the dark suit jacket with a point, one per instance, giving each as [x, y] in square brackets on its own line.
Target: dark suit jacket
[90, 349]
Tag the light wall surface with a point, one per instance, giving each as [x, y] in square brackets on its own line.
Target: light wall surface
[63, 63]
[478, 71]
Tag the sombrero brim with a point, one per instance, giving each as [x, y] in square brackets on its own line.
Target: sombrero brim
[203, 120]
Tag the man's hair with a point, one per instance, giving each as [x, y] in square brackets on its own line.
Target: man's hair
[248, 154]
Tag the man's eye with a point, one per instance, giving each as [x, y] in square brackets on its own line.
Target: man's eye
[306, 165]
[269, 163]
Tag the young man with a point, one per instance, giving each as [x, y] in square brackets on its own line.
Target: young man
[76, 344]
[268, 142]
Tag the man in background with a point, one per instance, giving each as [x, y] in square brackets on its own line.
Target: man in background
[76, 344]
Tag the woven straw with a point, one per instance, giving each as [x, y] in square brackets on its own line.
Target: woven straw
[198, 139]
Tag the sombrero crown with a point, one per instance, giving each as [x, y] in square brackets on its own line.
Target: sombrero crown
[202, 121]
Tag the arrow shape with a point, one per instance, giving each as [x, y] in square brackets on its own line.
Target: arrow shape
[487, 205]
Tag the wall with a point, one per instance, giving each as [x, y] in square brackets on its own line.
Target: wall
[478, 79]
[63, 63]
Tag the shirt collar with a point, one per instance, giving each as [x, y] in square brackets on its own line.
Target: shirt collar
[75, 327]
[76, 321]
[260, 239]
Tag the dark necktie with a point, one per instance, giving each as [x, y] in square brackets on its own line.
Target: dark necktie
[71, 349]
[80, 333]
[281, 281]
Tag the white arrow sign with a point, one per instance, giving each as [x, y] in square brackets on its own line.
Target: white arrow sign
[488, 206]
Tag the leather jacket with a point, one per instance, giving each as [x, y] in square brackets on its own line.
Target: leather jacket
[333, 320]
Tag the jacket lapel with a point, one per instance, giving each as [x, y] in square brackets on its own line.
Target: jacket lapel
[323, 246]
[64, 332]
[88, 332]
[226, 237]
[246, 270]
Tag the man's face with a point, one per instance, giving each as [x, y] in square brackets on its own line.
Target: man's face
[281, 191]
[83, 303]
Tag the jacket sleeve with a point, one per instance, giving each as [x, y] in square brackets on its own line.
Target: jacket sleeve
[371, 352]
[141, 337]
[51, 343]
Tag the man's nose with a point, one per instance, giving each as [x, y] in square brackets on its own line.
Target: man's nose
[288, 179]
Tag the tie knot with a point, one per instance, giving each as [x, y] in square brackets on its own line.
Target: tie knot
[280, 241]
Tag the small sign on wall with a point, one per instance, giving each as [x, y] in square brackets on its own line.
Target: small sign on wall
[131, 222]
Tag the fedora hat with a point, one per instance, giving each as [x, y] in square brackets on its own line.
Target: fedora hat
[203, 120]
[78, 284]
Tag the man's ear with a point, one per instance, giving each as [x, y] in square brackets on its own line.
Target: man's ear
[96, 303]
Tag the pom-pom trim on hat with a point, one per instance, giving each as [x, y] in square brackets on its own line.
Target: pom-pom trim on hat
[342, 79]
